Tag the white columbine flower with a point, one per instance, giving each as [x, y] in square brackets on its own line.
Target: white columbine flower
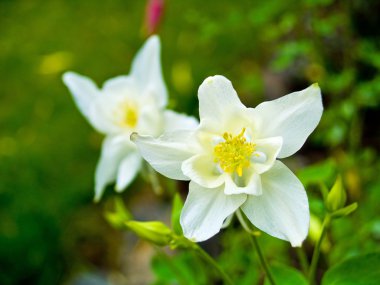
[231, 160]
[126, 104]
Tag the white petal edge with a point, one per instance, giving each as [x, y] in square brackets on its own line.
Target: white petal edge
[253, 187]
[174, 121]
[282, 210]
[205, 210]
[146, 69]
[202, 170]
[293, 117]
[227, 221]
[123, 84]
[217, 99]
[114, 150]
[270, 147]
[166, 153]
[128, 169]
[83, 90]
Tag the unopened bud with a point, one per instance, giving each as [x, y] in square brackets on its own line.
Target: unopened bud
[119, 215]
[336, 199]
[153, 15]
[152, 231]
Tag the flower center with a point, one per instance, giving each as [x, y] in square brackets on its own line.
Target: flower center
[234, 153]
[130, 115]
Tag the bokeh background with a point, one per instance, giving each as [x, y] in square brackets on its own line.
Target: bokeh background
[50, 230]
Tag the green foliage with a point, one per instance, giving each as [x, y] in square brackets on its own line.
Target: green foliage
[286, 275]
[182, 269]
[336, 198]
[359, 270]
[176, 213]
[119, 216]
[314, 174]
[345, 211]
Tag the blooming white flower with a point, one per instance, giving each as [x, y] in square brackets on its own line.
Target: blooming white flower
[231, 160]
[126, 104]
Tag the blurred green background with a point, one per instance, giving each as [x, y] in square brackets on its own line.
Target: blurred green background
[50, 231]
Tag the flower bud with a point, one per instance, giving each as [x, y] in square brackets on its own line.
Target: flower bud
[119, 215]
[336, 199]
[153, 16]
[152, 231]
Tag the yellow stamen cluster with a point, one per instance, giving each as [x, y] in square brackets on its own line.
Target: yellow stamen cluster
[130, 116]
[234, 153]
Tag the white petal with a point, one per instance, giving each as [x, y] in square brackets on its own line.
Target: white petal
[253, 186]
[203, 170]
[282, 210]
[293, 117]
[101, 115]
[123, 85]
[114, 149]
[146, 69]
[128, 169]
[166, 153]
[107, 112]
[205, 210]
[151, 121]
[270, 148]
[83, 89]
[175, 121]
[227, 221]
[217, 99]
[95, 105]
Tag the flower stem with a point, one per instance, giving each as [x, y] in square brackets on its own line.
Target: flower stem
[317, 249]
[303, 260]
[152, 175]
[253, 235]
[263, 261]
[211, 261]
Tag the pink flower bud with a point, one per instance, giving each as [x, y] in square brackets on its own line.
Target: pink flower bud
[153, 14]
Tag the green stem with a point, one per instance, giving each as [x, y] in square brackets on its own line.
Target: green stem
[317, 250]
[152, 174]
[303, 260]
[263, 261]
[253, 235]
[211, 261]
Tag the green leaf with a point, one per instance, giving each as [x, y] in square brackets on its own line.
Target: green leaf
[316, 173]
[176, 213]
[179, 269]
[359, 270]
[286, 275]
[345, 211]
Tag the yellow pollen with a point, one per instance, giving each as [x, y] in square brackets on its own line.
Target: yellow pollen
[234, 153]
[130, 116]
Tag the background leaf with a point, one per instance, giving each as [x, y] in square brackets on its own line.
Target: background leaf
[285, 275]
[359, 270]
